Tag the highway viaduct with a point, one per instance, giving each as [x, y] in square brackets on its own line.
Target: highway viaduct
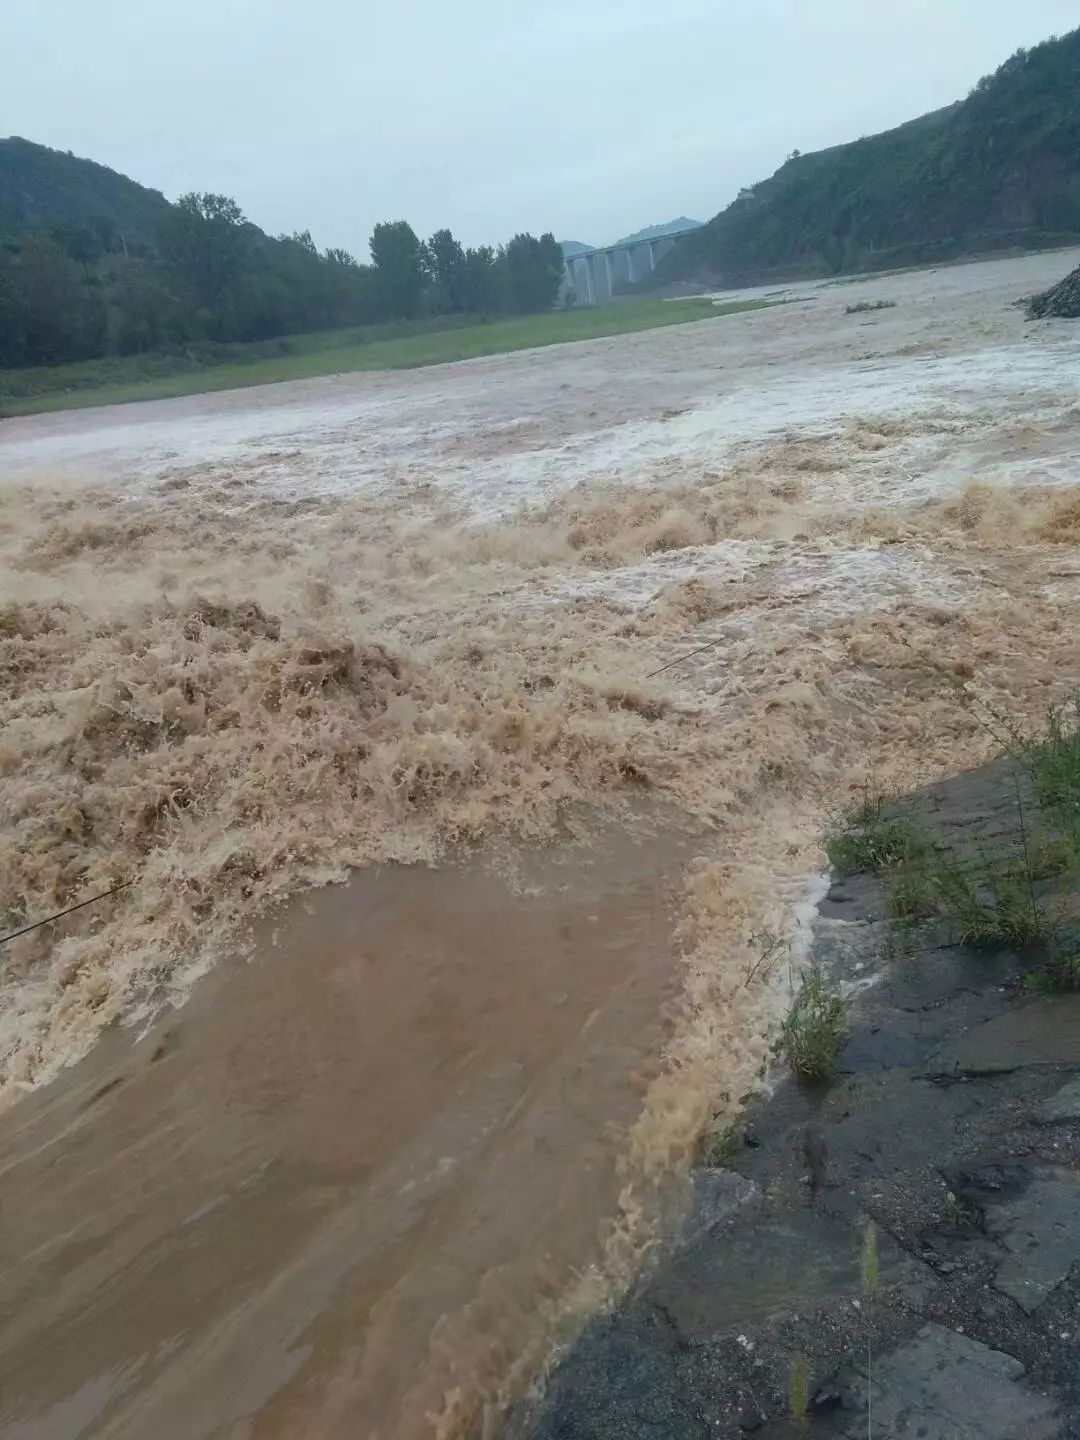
[594, 274]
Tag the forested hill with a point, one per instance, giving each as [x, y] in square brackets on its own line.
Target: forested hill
[94, 266]
[47, 189]
[999, 169]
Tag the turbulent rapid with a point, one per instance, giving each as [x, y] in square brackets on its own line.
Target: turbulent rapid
[703, 584]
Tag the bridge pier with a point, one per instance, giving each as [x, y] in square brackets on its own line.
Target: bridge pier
[593, 274]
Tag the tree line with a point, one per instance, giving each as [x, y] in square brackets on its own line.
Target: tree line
[81, 292]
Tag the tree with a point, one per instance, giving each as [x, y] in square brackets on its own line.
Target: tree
[400, 267]
[13, 312]
[91, 281]
[107, 232]
[203, 237]
[146, 310]
[78, 242]
[531, 272]
[64, 319]
[480, 280]
[446, 263]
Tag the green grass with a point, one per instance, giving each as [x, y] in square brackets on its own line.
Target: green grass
[986, 899]
[394, 347]
[988, 904]
[1019, 891]
[1052, 759]
[815, 1026]
[869, 839]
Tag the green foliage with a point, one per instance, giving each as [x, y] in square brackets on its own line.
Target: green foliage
[205, 237]
[1053, 761]
[1001, 911]
[1061, 971]
[93, 265]
[909, 895]
[721, 1146]
[999, 169]
[531, 272]
[400, 268]
[864, 306]
[871, 839]
[41, 189]
[814, 1028]
[993, 896]
[447, 266]
[986, 901]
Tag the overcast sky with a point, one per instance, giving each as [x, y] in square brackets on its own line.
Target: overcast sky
[588, 117]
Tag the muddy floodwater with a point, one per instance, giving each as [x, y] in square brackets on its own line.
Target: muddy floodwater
[318, 1126]
[399, 1120]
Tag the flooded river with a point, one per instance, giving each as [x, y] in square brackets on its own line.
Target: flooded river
[400, 1119]
[466, 736]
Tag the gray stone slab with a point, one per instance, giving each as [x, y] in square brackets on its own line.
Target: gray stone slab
[768, 1266]
[717, 1195]
[1040, 1032]
[1062, 1106]
[1040, 1229]
[943, 1386]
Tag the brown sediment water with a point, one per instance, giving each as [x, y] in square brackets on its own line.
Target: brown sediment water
[343, 1182]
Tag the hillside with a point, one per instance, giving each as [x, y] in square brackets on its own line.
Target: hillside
[42, 189]
[657, 232]
[94, 267]
[999, 169]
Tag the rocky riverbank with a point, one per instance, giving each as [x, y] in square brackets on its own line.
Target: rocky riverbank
[952, 1127]
[1061, 301]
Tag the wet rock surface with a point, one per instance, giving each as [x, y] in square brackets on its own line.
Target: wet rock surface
[941, 1384]
[1061, 301]
[953, 1125]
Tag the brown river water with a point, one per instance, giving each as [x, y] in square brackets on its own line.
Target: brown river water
[319, 1128]
[398, 1120]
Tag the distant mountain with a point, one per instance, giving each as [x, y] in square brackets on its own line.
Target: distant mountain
[656, 232]
[997, 170]
[43, 188]
[570, 248]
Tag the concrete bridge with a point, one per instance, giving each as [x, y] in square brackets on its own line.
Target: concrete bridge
[594, 274]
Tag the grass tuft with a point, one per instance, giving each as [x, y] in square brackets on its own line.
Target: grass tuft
[1053, 760]
[871, 840]
[798, 1387]
[1061, 972]
[986, 902]
[814, 1028]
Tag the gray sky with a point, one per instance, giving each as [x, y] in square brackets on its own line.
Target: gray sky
[588, 117]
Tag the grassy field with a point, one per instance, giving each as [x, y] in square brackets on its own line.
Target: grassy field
[297, 357]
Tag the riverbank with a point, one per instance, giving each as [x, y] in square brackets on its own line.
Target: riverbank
[952, 1128]
[408, 345]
